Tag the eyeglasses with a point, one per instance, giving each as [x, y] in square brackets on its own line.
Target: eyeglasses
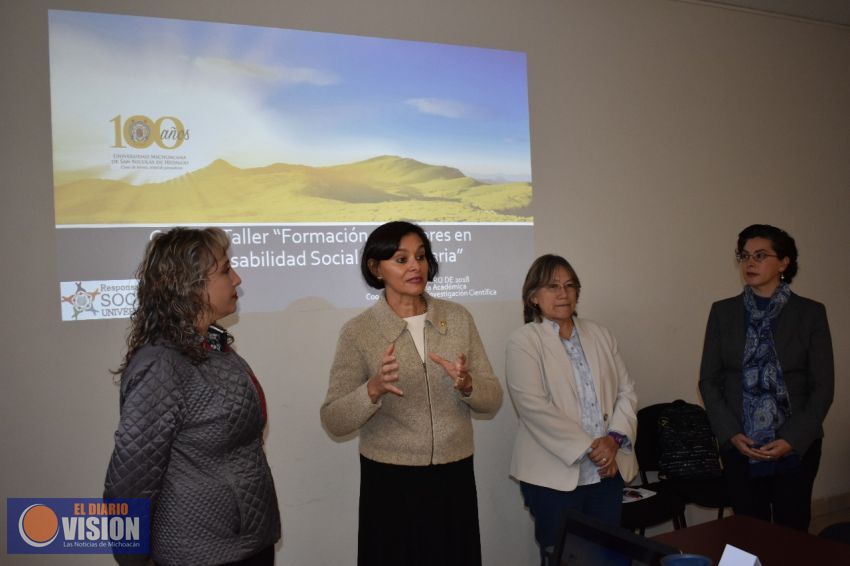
[567, 287]
[759, 256]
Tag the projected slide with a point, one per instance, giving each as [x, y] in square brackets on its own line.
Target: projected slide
[296, 143]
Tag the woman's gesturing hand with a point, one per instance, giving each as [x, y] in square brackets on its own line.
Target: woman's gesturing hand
[457, 371]
[384, 381]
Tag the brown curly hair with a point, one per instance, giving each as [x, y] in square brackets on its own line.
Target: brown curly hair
[171, 296]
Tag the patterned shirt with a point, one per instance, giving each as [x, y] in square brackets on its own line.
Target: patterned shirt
[591, 413]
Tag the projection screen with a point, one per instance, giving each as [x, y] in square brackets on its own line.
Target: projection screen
[297, 143]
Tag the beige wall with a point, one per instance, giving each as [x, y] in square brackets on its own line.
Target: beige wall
[659, 130]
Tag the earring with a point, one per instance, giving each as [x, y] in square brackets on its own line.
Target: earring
[782, 277]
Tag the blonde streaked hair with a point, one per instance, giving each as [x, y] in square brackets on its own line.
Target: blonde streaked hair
[171, 296]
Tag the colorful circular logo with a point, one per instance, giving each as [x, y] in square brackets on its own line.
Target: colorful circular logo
[82, 300]
[139, 132]
[38, 525]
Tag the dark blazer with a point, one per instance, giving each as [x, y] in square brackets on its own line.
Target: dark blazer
[804, 347]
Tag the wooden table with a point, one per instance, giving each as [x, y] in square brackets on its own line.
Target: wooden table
[774, 545]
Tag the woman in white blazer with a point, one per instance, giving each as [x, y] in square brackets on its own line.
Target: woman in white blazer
[575, 402]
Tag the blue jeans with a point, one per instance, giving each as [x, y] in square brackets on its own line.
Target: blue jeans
[602, 501]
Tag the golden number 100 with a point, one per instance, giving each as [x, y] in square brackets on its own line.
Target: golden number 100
[140, 132]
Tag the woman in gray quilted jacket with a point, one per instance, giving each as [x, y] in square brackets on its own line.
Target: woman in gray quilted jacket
[192, 413]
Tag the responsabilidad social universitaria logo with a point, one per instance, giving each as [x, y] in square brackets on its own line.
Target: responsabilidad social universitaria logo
[93, 300]
[81, 300]
[78, 526]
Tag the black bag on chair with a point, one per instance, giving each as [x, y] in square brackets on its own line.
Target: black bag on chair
[688, 449]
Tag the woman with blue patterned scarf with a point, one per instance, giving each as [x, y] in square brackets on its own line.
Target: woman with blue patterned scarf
[767, 380]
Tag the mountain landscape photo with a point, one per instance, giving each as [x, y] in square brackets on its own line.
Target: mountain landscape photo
[373, 190]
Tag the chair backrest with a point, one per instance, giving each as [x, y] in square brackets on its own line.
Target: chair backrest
[647, 448]
[687, 447]
[839, 532]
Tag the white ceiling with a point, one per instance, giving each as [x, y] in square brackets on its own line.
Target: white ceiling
[836, 12]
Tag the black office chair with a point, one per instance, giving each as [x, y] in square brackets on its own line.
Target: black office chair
[702, 483]
[665, 505]
[584, 541]
[839, 532]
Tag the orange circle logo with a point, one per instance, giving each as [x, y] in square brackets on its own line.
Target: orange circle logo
[38, 525]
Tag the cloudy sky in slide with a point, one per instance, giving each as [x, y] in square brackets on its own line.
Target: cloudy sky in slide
[255, 96]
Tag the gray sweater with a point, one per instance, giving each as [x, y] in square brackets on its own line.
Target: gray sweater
[190, 439]
[431, 423]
